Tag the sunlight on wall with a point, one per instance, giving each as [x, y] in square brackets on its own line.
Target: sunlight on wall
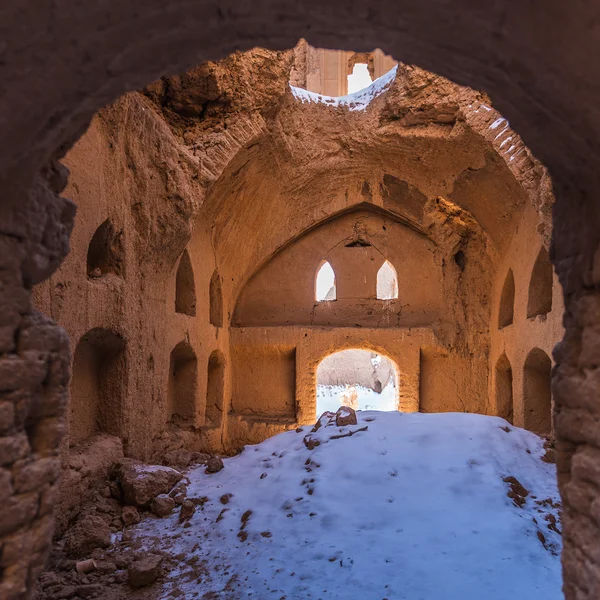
[359, 79]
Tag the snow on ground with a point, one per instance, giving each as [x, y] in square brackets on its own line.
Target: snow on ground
[356, 101]
[329, 397]
[413, 508]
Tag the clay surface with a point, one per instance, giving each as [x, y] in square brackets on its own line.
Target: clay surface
[77, 59]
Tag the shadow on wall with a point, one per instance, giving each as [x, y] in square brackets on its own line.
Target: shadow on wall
[216, 300]
[185, 289]
[106, 252]
[215, 389]
[97, 385]
[507, 301]
[183, 383]
[537, 396]
[539, 301]
[504, 389]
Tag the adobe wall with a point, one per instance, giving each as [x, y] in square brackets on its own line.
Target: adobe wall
[259, 391]
[149, 196]
[524, 334]
[63, 62]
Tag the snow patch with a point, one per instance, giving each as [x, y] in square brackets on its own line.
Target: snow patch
[356, 101]
[416, 506]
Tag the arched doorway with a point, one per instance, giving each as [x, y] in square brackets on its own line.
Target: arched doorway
[361, 379]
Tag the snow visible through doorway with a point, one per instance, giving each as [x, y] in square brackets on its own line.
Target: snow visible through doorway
[361, 379]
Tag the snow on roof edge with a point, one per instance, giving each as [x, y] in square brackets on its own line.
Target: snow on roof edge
[354, 102]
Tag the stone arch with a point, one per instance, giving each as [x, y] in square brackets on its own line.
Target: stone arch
[216, 300]
[537, 395]
[506, 309]
[387, 282]
[504, 388]
[539, 299]
[185, 288]
[121, 55]
[183, 385]
[215, 389]
[325, 287]
[105, 251]
[98, 385]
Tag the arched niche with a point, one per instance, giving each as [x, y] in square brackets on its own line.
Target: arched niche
[507, 301]
[185, 289]
[537, 395]
[215, 389]
[325, 288]
[183, 385]
[216, 300]
[98, 385]
[539, 300]
[387, 282]
[105, 251]
[504, 388]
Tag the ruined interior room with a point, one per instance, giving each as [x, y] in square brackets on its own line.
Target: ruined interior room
[274, 265]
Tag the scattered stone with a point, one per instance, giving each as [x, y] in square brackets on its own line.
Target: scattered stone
[263, 475]
[85, 566]
[179, 498]
[345, 416]
[188, 508]
[141, 483]
[144, 571]
[310, 442]
[105, 567]
[49, 579]
[123, 559]
[224, 499]
[88, 533]
[517, 492]
[90, 590]
[66, 592]
[121, 576]
[130, 515]
[162, 505]
[214, 464]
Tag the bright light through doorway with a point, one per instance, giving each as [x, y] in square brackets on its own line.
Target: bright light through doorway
[359, 79]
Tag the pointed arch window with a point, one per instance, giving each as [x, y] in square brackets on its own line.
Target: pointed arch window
[387, 282]
[325, 289]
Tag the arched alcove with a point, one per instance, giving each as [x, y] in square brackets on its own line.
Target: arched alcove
[105, 252]
[361, 379]
[537, 395]
[387, 282]
[539, 301]
[185, 289]
[183, 385]
[216, 300]
[325, 289]
[97, 385]
[215, 389]
[504, 389]
[507, 301]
